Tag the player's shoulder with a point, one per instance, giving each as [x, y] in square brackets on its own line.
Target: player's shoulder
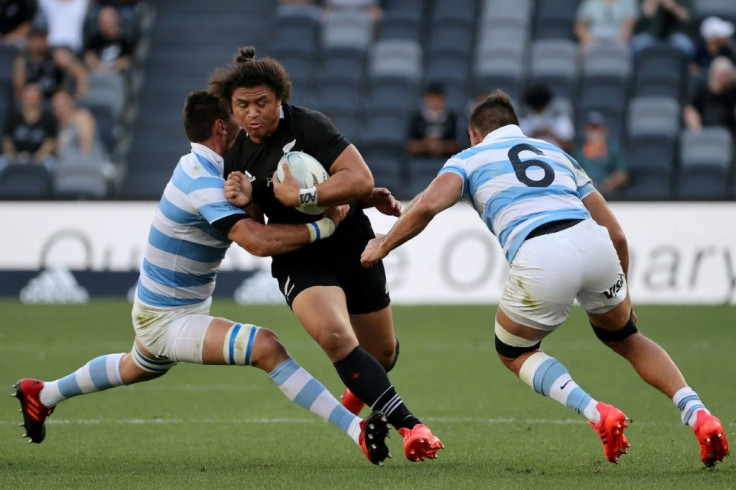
[194, 172]
[305, 116]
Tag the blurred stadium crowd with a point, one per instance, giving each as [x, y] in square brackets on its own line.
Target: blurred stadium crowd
[641, 92]
[68, 74]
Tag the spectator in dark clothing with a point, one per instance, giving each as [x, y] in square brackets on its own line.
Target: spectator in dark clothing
[664, 20]
[108, 50]
[717, 41]
[15, 21]
[30, 135]
[433, 129]
[51, 69]
[715, 103]
[601, 157]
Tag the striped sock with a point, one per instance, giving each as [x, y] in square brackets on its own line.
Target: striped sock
[689, 404]
[300, 387]
[549, 377]
[98, 374]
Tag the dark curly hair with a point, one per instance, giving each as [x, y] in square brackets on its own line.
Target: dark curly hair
[248, 71]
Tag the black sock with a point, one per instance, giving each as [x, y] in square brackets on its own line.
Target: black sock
[367, 379]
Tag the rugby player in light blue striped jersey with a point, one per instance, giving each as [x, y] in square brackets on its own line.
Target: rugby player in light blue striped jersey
[192, 228]
[563, 243]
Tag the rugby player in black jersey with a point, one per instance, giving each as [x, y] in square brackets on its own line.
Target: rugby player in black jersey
[343, 306]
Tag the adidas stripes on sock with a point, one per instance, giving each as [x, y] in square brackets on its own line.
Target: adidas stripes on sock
[549, 377]
[98, 374]
[367, 379]
[300, 387]
[689, 404]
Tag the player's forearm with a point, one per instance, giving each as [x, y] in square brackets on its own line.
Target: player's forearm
[344, 187]
[415, 219]
[277, 239]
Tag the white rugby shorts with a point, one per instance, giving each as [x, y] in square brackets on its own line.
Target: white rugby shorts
[176, 333]
[550, 271]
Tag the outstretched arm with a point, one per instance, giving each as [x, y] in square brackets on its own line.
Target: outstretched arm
[444, 191]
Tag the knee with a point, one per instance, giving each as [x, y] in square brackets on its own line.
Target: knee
[268, 351]
[387, 355]
[336, 341]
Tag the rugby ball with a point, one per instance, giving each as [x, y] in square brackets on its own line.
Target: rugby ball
[307, 171]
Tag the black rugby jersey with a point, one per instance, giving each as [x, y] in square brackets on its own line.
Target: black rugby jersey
[311, 132]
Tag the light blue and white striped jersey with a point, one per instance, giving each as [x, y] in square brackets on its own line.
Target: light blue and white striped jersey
[517, 184]
[184, 250]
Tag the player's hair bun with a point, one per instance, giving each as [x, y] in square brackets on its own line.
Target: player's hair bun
[245, 54]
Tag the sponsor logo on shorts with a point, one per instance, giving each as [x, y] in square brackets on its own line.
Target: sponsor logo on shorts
[613, 290]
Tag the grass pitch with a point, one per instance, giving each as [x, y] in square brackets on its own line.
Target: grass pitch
[223, 427]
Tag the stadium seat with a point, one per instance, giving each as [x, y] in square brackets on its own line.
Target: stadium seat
[386, 163]
[495, 34]
[454, 37]
[388, 92]
[343, 64]
[453, 73]
[499, 67]
[22, 181]
[399, 25]
[554, 63]
[554, 19]
[725, 9]
[300, 66]
[660, 70]
[106, 126]
[607, 59]
[607, 95]
[385, 127]
[396, 57]
[106, 89]
[503, 9]
[81, 178]
[422, 170]
[653, 115]
[518, 8]
[144, 182]
[294, 31]
[8, 54]
[705, 164]
[457, 10]
[414, 7]
[347, 122]
[339, 95]
[651, 165]
[347, 28]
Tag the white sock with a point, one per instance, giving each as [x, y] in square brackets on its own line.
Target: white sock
[99, 374]
[547, 376]
[300, 387]
[689, 404]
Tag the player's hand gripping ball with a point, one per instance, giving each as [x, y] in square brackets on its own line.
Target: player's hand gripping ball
[307, 171]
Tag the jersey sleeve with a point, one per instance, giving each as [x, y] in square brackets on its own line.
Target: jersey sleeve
[582, 182]
[456, 166]
[320, 137]
[207, 196]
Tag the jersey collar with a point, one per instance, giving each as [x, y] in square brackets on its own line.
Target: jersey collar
[508, 131]
[211, 156]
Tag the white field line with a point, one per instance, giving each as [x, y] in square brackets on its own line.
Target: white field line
[280, 420]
